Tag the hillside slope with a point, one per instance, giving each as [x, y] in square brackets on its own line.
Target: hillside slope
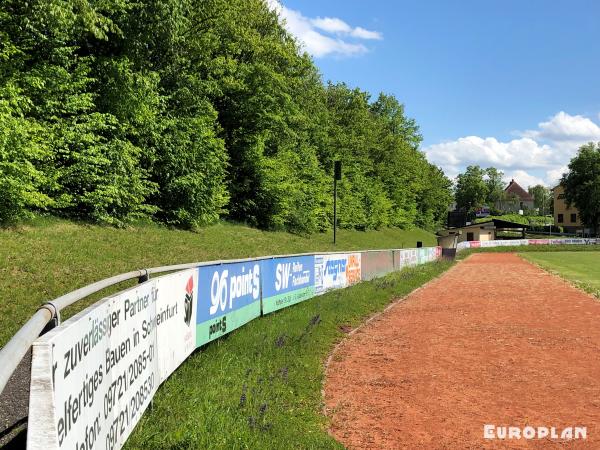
[51, 257]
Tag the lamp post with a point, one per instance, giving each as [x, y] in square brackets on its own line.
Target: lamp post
[337, 175]
[544, 208]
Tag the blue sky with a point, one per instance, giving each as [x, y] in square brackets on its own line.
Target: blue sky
[509, 83]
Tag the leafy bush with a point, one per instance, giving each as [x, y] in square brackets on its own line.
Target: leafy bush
[191, 110]
[22, 156]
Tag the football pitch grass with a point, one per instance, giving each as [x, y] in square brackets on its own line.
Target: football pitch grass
[581, 268]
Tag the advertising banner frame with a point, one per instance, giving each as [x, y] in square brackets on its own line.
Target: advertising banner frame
[174, 312]
[94, 376]
[218, 287]
[287, 281]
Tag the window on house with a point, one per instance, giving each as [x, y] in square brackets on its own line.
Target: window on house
[470, 237]
[561, 218]
[573, 218]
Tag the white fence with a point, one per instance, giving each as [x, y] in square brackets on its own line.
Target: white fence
[94, 375]
[517, 242]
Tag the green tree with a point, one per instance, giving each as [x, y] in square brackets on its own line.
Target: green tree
[398, 161]
[471, 190]
[434, 199]
[188, 111]
[22, 157]
[542, 198]
[90, 169]
[582, 184]
[495, 186]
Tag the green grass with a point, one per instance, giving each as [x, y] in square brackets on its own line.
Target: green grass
[530, 249]
[518, 218]
[260, 387]
[50, 257]
[581, 268]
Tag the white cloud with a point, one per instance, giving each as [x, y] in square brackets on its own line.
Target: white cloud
[331, 25]
[468, 150]
[535, 156]
[564, 127]
[338, 26]
[361, 33]
[324, 36]
[554, 175]
[524, 178]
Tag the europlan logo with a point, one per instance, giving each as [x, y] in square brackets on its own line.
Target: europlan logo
[530, 432]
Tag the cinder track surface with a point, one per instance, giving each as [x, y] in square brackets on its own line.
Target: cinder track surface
[495, 340]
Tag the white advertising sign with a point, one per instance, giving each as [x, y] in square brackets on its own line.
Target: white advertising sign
[93, 376]
[330, 272]
[336, 271]
[409, 258]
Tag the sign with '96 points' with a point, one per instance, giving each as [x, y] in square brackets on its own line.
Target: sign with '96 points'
[228, 297]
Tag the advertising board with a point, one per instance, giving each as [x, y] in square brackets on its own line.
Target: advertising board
[336, 271]
[376, 263]
[93, 377]
[287, 281]
[228, 297]
[409, 258]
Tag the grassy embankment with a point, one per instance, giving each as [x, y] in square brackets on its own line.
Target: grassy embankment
[259, 387]
[518, 218]
[581, 268]
[50, 257]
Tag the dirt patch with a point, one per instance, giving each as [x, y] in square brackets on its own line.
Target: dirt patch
[495, 340]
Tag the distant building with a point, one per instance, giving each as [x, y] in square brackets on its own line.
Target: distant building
[515, 198]
[568, 218]
[482, 231]
[474, 232]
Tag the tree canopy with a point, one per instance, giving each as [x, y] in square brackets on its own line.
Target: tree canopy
[582, 184]
[542, 198]
[495, 186]
[188, 111]
[471, 189]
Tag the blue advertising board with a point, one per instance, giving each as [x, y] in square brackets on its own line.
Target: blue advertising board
[287, 281]
[228, 297]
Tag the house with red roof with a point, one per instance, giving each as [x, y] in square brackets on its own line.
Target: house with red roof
[515, 198]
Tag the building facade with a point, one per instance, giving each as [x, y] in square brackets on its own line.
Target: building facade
[565, 217]
[515, 198]
[485, 231]
[481, 231]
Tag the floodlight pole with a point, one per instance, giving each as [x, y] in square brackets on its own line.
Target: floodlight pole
[337, 175]
[334, 208]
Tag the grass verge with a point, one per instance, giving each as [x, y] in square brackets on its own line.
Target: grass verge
[580, 268]
[260, 387]
[50, 257]
[530, 249]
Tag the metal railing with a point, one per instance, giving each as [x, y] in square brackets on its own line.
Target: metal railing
[14, 351]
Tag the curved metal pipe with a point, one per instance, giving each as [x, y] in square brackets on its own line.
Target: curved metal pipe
[14, 351]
